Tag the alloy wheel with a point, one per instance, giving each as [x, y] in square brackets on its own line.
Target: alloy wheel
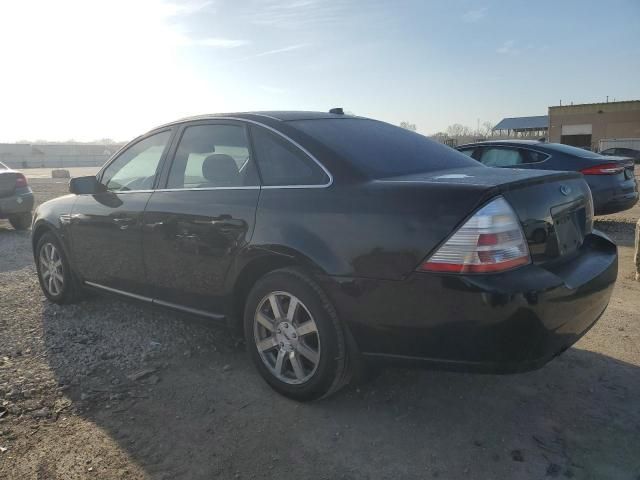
[287, 338]
[51, 269]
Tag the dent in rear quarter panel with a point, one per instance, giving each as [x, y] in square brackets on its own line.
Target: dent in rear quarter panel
[371, 230]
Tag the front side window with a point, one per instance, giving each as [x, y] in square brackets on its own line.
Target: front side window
[283, 164]
[212, 156]
[136, 167]
[502, 157]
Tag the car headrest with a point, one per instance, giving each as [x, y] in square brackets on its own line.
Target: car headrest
[221, 170]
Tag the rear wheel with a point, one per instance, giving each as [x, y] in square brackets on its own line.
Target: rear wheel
[54, 272]
[21, 221]
[294, 336]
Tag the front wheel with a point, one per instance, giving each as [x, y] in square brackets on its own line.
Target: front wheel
[21, 221]
[294, 336]
[54, 271]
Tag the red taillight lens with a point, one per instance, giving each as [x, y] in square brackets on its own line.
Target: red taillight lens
[604, 169]
[490, 241]
[21, 180]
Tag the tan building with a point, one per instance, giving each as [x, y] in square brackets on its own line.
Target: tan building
[585, 125]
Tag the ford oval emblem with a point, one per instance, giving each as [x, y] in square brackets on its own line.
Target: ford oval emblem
[565, 190]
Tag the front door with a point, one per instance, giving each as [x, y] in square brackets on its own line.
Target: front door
[195, 226]
[106, 228]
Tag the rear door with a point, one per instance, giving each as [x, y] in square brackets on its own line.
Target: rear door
[202, 217]
[106, 228]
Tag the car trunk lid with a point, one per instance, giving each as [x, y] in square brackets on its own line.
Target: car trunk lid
[7, 183]
[555, 208]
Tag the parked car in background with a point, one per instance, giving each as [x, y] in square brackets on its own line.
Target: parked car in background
[611, 179]
[333, 241]
[16, 198]
[623, 152]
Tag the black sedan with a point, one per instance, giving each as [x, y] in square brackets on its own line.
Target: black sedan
[16, 198]
[333, 241]
[611, 179]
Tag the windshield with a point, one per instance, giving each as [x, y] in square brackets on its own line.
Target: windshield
[569, 150]
[381, 150]
[3, 166]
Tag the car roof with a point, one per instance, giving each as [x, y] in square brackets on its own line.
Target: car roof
[273, 115]
[505, 142]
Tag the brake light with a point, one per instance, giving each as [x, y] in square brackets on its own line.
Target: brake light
[490, 241]
[604, 169]
[21, 180]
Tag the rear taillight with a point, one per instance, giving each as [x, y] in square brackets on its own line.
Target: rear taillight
[604, 169]
[490, 241]
[21, 180]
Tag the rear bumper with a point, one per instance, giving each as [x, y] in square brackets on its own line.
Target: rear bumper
[615, 204]
[612, 193]
[21, 202]
[502, 323]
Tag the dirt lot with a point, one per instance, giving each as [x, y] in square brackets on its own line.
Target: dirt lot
[108, 389]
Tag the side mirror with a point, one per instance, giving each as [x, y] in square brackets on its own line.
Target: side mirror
[86, 185]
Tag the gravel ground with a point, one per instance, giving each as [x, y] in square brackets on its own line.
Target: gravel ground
[112, 390]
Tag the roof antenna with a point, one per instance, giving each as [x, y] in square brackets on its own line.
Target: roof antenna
[337, 111]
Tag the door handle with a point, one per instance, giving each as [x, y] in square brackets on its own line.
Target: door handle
[187, 237]
[124, 222]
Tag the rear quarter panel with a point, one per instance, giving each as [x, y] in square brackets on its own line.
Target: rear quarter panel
[374, 229]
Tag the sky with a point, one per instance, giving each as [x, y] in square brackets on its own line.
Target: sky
[91, 69]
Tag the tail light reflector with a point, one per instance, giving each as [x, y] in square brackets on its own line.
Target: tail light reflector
[604, 169]
[490, 241]
[21, 180]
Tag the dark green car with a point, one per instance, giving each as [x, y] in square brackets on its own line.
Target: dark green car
[16, 198]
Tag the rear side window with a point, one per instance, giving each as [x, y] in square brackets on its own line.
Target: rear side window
[381, 150]
[535, 157]
[283, 164]
[212, 156]
[502, 157]
[468, 151]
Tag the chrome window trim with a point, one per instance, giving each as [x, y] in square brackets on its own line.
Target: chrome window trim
[304, 150]
[127, 191]
[266, 116]
[252, 187]
[287, 138]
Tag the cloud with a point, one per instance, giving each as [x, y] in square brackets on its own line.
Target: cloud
[273, 90]
[277, 51]
[281, 50]
[217, 42]
[294, 14]
[184, 8]
[508, 48]
[473, 16]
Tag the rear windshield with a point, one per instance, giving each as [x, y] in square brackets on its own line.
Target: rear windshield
[569, 150]
[382, 150]
[3, 166]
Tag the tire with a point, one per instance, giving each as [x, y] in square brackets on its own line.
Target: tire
[63, 287]
[303, 356]
[21, 221]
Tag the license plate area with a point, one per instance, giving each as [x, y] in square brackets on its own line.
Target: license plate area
[569, 223]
